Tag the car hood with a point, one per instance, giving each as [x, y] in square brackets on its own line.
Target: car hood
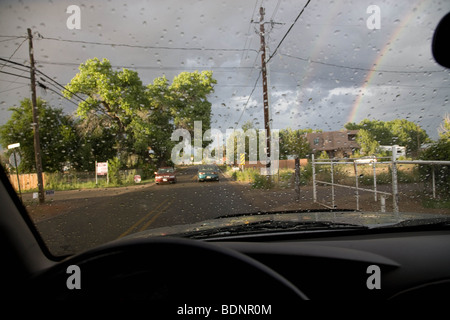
[354, 218]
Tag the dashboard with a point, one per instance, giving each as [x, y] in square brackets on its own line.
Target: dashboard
[393, 265]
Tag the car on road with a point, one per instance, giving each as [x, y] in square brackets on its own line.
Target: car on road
[208, 173]
[166, 175]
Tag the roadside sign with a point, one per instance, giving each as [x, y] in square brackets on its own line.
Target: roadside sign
[102, 168]
[242, 159]
[137, 178]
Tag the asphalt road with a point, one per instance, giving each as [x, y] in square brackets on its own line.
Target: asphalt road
[86, 222]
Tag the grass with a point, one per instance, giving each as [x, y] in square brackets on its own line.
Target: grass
[59, 182]
[436, 203]
[342, 174]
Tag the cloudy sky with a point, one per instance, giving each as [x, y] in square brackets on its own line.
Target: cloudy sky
[327, 66]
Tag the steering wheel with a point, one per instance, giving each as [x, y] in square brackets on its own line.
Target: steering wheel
[165, 269]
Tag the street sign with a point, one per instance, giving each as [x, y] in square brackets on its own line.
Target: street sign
[14, 162]
[137, 178]
[242, 159]
[14, 145]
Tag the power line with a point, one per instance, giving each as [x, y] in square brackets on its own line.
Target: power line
[358, 68]
[223, 69]
[248, 100]
[12, 38]
[43, 74]
[16, 68]
[24, 85]
[145, 47]
[290, 28]
[248, 30]
[59, 85]
[13, 74]
[13, 62]
[58, 93]
[14, 52]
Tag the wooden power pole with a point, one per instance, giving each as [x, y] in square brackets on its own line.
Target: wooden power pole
[37, 145]
[264, 80]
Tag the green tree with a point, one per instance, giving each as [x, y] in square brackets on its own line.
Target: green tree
[139, 118]
[188, 94]
[439, 150]
[367, 142]
[444, 130]
[399, 131]
[97, 142]
[153, 128]
[408, 134]
[294, 143]
[58, 136]
[113, 96]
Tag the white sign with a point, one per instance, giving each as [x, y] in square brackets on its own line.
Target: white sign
[15, 145]
[102, 168]
[137, 178]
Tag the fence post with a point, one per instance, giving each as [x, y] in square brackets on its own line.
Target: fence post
[356, 185]
[394, 179]
[374, 180]
[433, 179]
[383, 203]
[332, 184]
[314, 178]
[297, 178]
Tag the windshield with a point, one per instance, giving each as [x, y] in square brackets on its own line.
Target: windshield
[324, 111]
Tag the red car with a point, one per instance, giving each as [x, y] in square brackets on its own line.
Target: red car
[165, 174]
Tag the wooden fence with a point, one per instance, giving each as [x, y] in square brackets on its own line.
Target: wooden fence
[27, 181]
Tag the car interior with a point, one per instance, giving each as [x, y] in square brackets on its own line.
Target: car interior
[412, 262]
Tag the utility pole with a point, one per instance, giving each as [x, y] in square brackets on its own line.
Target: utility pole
[37, 146]
[264, 80]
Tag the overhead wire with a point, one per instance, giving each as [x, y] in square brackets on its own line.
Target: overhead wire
[18, 47]
[145, 47]
[287, 32]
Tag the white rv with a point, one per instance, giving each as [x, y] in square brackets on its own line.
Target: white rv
[401, 151]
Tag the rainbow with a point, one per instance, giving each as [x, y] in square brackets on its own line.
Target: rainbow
[370, 75]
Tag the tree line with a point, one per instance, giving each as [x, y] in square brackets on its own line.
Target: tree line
[117, 117]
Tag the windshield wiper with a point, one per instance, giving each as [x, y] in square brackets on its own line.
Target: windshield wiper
[271, 226]
[430, 223]
[260, 213]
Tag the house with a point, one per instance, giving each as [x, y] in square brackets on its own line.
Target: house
[335, 143]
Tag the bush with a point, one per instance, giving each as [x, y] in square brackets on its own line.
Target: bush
[438, 151]
[113, 171]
